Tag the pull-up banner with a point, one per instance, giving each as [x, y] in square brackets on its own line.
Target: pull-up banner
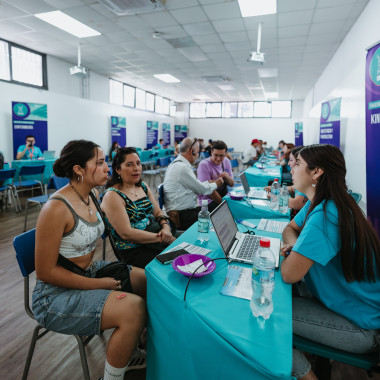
[330, 123]
[166, 133]
[180, 132]
[372, 101]
[151, 134]
[29, 119]
[298, 134]
[119, 130]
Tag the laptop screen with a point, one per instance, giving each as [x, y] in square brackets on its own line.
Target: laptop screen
[244, 182]
[224, 225]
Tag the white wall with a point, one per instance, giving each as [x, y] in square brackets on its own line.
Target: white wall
[238, 133]
[72, 117]
[345, 77]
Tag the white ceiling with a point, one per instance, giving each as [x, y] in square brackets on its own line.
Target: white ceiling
[298, 41]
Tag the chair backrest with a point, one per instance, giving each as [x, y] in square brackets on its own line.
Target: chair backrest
[7, 174]
[234, 163]
[59, 182]
[163, 161]
[161, 195]
[24, 247]
[356, 196]
[31, 170]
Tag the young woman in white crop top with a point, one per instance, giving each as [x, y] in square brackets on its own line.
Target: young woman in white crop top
[67, 302]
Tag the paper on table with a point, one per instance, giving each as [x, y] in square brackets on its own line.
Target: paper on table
[190, 248]
[259, 202]
[190, 268]
[237, 282]
[272, 225]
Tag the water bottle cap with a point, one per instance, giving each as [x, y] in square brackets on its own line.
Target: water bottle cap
[276, 180]
[204, 202]
[265, 242]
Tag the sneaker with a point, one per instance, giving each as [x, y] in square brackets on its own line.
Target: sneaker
[138, 360]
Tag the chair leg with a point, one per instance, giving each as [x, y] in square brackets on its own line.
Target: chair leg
[83, 357]
[30, 352]
[26, 215]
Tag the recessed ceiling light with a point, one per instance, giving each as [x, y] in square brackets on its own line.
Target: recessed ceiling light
[267, 73]
[167, 78]
[68, 24]
[226, 87]
[249, 8]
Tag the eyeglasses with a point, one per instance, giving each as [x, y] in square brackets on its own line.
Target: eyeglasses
[218, 155]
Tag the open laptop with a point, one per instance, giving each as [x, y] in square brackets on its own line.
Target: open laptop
[236, 245]
[49, 154]
[252, 193]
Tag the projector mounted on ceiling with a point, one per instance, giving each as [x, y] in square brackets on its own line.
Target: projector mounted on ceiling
[78, 70]
[257, 56]
[129, 7]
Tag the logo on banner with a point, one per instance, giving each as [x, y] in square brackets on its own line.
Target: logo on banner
[325, 113]
[114, 121]
[21, 110]
[374, 68]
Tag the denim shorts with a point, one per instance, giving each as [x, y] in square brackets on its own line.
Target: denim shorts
[70, 311]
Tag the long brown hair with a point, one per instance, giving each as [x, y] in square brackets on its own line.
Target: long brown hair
[360, 245]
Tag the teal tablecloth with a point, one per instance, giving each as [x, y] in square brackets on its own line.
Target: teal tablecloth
[259, 177]
[211, 336]
[48, 172]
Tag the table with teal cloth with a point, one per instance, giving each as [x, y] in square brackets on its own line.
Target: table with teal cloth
[48, 172]
[212, 336]
[259, 177]
[242, 210]
[145, 155]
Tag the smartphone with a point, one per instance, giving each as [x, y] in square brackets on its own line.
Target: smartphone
[168, 257]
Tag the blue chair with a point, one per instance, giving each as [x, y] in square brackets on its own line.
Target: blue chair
[356, 196]
[368, 362]
[54, 183]
[24, 185]
[7, 189]
[24, 247]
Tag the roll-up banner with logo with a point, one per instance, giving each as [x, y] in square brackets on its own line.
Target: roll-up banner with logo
[180, 132]
[166, 133]
[298, 134]
[29, 119]
[119, 130]
[330, 123]
[372, 101]
[151, 134]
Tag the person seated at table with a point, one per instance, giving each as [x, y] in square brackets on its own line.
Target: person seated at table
[114, 148]
[297, 200]
[207, 149]
[29, 151]
[278, 152]
[139, 228]
[69, 303]
[181, 186]
[286, 175]
[250, 155]
[176, 148]
[160, 144]
[337, 251]
[216, 166]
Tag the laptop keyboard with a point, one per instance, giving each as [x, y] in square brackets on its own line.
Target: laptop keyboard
[248, 247]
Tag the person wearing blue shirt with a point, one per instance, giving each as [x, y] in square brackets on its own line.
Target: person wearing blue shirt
[29, 151]
[160, 144]
[335, 249]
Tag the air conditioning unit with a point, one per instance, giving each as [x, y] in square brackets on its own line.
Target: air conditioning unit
[129, 7]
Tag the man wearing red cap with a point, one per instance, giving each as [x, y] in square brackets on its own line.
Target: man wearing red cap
[250, 156]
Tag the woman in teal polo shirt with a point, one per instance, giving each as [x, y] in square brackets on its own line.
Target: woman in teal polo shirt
[336, 250]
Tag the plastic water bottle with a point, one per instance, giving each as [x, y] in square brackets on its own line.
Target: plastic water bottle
[262, 282]
[274, 195]
[203, 223]
[284, 200]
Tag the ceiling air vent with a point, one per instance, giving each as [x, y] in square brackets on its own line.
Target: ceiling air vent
[215, 79]
[128, 7]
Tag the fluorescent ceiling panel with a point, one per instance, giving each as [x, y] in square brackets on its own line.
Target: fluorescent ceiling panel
[68, 24]
[167, 78]
[267, 73]
[249, 8]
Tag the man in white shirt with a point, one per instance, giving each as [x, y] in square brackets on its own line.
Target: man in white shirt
[250, 156]
[181, 186]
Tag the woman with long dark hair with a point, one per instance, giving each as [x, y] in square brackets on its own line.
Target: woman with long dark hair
[69, 303]
[139, 227]
[331, 244]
